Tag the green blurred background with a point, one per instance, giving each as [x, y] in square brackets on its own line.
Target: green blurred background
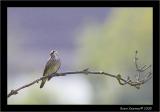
[107, 43]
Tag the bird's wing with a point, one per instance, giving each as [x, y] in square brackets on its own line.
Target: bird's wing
[47, 67]
[57, 65]
[50, 67]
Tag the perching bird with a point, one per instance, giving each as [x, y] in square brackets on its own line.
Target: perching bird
[52, 66]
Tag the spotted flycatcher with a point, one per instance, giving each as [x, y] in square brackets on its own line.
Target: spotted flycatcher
[52, 66]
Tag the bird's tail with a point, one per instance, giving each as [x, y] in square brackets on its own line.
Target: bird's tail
[42, 83]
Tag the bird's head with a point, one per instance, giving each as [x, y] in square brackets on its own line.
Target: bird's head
[53, 53]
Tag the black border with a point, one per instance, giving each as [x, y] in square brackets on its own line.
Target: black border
[5, 4]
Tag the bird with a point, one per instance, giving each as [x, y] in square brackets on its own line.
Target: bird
[52, 66]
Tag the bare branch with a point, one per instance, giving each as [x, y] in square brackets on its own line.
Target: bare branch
[86, 71]
[118, 77]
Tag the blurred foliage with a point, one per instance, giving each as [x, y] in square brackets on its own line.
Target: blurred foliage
[111, 46]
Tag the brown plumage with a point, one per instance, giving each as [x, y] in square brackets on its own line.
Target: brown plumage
[52, 66]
